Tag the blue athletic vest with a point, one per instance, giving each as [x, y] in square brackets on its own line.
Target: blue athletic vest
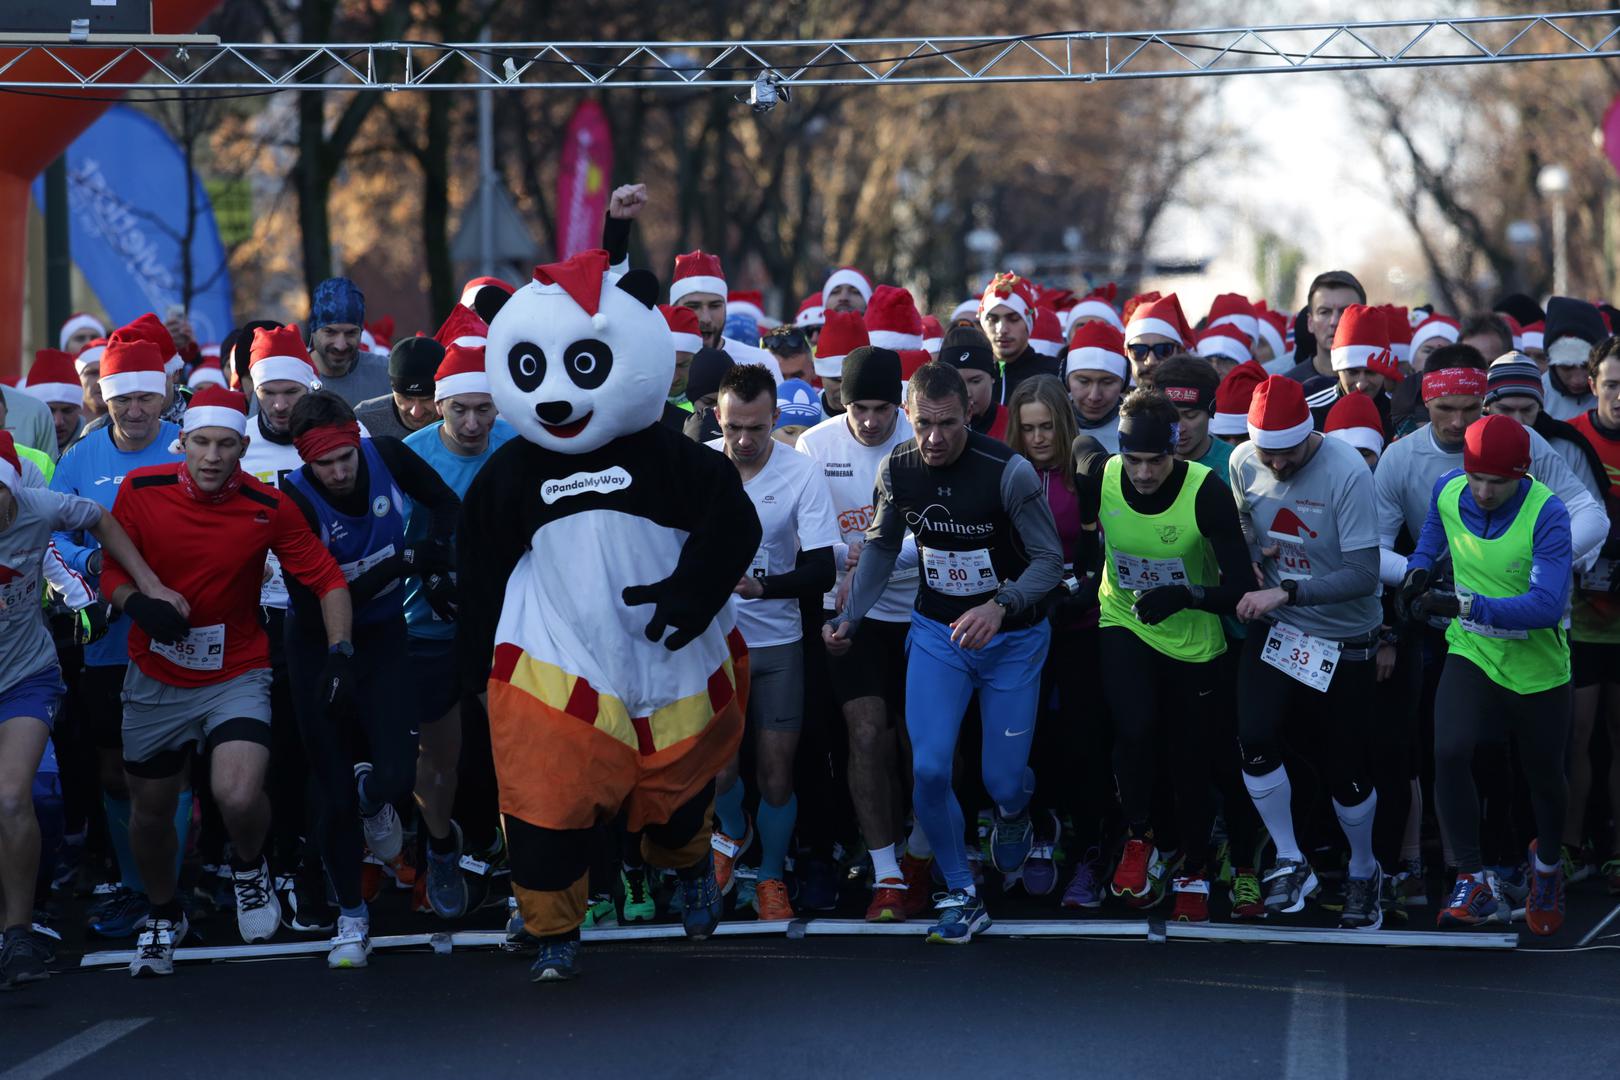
[359, 543]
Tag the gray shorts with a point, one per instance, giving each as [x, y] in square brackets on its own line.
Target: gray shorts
[776, 687]
[160, 719]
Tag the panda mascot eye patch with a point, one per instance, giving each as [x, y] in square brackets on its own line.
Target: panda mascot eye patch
[588, 363]
[527, 363]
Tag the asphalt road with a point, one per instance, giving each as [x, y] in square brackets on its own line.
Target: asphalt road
[827, 1006]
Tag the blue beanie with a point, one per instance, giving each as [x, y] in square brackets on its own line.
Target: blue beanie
[337, 300]
[743, 328]
[797, 403]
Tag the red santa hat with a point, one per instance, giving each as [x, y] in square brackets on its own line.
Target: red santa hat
[848, 275]
[1399, 325]
[968, 310]
[10, 462]
[1272, 328]
[683, 327]
[77, 321]
[90, 356]
[462, 372]
[1096, 346]
[150, 327]
[470, 291]
[1097, 304]
[933, 335]
[844, 332]
[697, 272]
[1046, 336]
[1135, 302]
[1534, 337]
[1011, 292]
[382, 331]
[1354, 418]
[1230, 309]
[462, 327]
[53, 378]
[1232, 399]
[131, 365]
[892, 321]
[1435, 326]
[750, 302]
[1228, 340]
[208, 372]
[278, 354]
[811, 313]
[1516, 330]
[1161, 316]
[215, 406]
[580, 277]
[1361, 340]
[1279, 418]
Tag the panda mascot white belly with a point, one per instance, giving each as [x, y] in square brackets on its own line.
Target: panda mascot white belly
[598, 555]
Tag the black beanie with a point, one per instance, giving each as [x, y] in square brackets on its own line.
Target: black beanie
[709, 366]
[1568, 317]
[871, 374]
[1522, 308]
[242, 347]
[411, 365]
[965, 348]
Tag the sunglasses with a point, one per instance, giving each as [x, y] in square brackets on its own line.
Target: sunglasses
[1163, 350]
[786, 341]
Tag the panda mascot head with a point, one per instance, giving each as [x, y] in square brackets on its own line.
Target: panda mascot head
[579, 357]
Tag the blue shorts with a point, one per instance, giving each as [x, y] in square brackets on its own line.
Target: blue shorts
[38, 695]
[435, 678]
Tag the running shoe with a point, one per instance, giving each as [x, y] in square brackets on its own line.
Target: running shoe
[1611, 875]
[771, 901]
[312, 909]
[1577, 866]
[1040, 869]
[961, 915]
[1135, 863]
[1287, 885]
[24, 958]
[1247, 900]
[1161, 871]
[1512, 884]
[636, 902]
[1011, 839]
[818, 885]
[1363, 902]
[700, 899]
[1411, 884]
[726, 851]
[1192, 900]
[123, 914]
[384, 833]
[258, 912]
[890, 899]
[597, 909]
[518, 939]
[154, 949]
[1085, 889]
[446, 888]
[1472, 903]
[1544, 907]
[919, 883]
[558, 961]
[352, 945]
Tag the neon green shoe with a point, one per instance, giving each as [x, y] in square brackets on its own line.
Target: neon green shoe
[636, 903]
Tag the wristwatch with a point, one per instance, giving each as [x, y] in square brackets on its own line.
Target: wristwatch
[1005, 603]
[342, 648]
[1291, 587]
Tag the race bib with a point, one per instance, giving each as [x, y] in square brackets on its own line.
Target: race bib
[1139, 575]
[352, 570]
[1599, 577]
[958, 573]
[759, 565]
[1303, 658]
[201, 650]
[1493, 631]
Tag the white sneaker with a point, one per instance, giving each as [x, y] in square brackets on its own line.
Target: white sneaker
[351, 945]
[154, 948]
[384, 834]
[258, 911]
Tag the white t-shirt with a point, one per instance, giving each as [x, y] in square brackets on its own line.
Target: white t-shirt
[795, 514]
[850, 470]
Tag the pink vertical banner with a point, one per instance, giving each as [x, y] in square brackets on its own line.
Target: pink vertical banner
[582, 180]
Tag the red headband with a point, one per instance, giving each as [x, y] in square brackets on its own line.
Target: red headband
[316, 443]
[1469, 382]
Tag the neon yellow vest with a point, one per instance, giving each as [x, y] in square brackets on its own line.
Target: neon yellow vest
[1523, 661]
[47, 467]
[1193, 636]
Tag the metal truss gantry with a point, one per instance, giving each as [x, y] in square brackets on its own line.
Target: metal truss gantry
[185, 65]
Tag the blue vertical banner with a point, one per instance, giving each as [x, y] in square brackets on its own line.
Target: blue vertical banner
[127, 210]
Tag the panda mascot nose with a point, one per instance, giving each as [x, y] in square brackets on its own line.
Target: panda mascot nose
[554, 412]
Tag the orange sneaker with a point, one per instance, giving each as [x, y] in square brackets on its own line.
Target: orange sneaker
[726, 851]
[771, 901]
[889, 900]
[919, 884]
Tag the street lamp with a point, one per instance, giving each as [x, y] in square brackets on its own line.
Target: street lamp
[1553, 180]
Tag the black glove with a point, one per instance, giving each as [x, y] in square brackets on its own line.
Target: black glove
[158, 618]
[337, 683]
[1157, 605]
[672, 609]
[428, 557]
[1413, 585]
[440, 593]
[90, 623]
[1445, 605]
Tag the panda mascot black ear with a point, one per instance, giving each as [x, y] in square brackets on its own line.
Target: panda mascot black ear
[641, 284]
[489, 300]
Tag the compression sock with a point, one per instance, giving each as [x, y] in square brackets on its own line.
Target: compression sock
[1412, 842]
[917, 845]
[118, 834]
[884, 865]
[775, 830]
[728, 807]
[1274, 798]
[182, 830]
[1357, 823]
[442, 845]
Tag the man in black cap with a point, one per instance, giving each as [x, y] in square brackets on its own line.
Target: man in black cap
[410, 406]
[1573, 327]
[969, 352]
[709, 366]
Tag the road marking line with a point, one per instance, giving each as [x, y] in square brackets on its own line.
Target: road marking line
[70, 1052]
[1315, 1046]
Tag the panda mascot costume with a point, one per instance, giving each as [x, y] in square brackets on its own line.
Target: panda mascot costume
[597, 557]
